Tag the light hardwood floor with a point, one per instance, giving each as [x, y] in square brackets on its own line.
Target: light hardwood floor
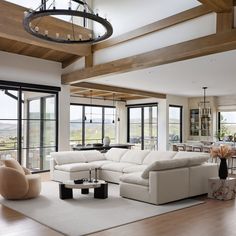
[213, 218]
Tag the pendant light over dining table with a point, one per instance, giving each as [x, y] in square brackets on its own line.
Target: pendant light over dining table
[205, 114]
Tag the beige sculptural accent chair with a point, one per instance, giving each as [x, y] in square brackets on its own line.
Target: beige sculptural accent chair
[17, 182]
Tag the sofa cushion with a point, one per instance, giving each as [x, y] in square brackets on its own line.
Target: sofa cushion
[183, 154]
[93, 155]
[12, 163]
[74, 167]
[68, 157]
[158, 155]
[136, 168]
[116, 166]
[134, 156]
[195, 158]
[134, 178]
[99, 164]
[165, 165]
[114, 154]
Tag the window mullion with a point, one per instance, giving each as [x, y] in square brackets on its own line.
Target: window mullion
[42, 109]
[19, 127]
[103, 123]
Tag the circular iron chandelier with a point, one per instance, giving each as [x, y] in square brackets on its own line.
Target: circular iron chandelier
[33, 18]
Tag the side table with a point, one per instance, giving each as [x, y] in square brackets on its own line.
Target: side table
[221, 189]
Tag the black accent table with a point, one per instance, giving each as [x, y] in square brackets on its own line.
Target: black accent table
[102, 148]
[100, 189]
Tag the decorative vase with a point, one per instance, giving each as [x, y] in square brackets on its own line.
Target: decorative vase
[106, 141]
[223, 169]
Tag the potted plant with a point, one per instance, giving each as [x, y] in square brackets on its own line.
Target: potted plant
[224, 152]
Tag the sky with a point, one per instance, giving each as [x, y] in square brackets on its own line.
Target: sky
[8, 106]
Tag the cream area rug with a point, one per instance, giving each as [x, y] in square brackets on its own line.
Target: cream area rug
[83, 214]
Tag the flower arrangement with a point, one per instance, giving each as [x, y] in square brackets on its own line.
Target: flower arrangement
[223, 152]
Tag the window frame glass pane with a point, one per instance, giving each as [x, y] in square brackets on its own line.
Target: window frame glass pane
[175, 124]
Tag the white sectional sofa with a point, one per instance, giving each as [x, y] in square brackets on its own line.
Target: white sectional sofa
[151, 176]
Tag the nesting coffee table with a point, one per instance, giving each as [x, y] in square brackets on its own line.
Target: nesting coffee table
[100, 189]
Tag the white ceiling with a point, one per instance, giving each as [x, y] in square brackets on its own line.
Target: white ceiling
[186, 78]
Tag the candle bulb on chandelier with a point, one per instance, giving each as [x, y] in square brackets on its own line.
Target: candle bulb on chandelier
[69, 7]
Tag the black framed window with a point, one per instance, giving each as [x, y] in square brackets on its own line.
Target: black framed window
[41, 127]
[28, 123]
[142, 126]
[175, 124]
[90, 124]
[226, 125]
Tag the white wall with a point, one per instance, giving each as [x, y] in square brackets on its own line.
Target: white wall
[128, 15]
[64, 118]
[31, 70]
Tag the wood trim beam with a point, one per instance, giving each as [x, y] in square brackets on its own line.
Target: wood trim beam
[89, 60]
[125, 98]
[11, 28]
[211, 44]
[153, 27]
[70, 61]
[119, 90]
[78, 90]
[218, 5]
[225, 21]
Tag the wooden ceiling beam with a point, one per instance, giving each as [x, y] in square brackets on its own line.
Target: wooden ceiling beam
[218, 5]
[100, 93]
[131, 98]
[78, 90]
[114, 95]
[11, 28]
[154, 27]
[115, 89]
[69, 61]
[122, 95]
[225, 21]
[211, 44]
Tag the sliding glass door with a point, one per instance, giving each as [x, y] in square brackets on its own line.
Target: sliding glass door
[175, 124]
[41, 131]
[135, 127]
[142, 126]
[28, 126]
